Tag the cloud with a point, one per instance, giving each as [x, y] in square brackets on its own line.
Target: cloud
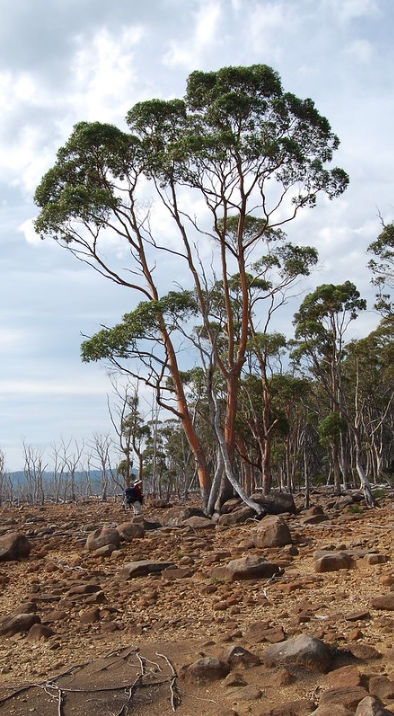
[188, 53]
[51, 387]
[360, 50]
[349, 10]
[268, 23]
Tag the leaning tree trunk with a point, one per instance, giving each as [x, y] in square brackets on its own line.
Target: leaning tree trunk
[227, 463]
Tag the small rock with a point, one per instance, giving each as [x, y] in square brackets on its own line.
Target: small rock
[238, 656]
[334, 561]
[143, 567]
[385, 601]
[381, 687]
[245, 568]
[39, 631]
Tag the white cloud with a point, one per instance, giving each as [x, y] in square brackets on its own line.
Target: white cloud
[266, 22]
[51, 387]
[29, 233]
[103, 73]
[361, 50]
[188, 53]
[348, 10]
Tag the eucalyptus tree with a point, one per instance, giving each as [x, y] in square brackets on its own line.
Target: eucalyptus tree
[369, 364]
[382, 266]
[237, 146]
[321, 325]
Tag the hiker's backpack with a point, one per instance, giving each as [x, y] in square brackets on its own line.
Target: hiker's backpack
[129, 495]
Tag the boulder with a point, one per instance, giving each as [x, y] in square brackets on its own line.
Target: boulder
[276, 503]
[272, 531]
[333, 561]
[205, 670]
[245, 568]
[130, 530]
[143, 567]
[348, 696]
[302, 650]
[18, 624]
[102, 537]
[14, 545]
[370, 706]
[237, 516]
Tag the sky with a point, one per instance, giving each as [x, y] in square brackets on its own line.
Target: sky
[64, 62]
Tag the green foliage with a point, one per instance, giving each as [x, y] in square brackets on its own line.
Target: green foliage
[142, 324]
[331, 427]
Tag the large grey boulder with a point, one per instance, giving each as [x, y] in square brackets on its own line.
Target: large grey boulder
[14, 545]
[302, 650]
[275, 503]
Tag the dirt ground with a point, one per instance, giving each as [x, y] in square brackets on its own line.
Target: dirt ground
[122, 649]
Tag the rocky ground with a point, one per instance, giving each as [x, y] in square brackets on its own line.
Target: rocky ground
[287, 616]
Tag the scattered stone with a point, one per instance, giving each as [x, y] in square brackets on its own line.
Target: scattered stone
[18, 624]
[91, 616]
[172, 573]
[357, 616]
[276, 503]
[334, 561]
[245, 568]
[238, 656]
[14, 545]
[371, 706]
[348, 696]
[143, 567]
[130, 530]
[301, 707]
[381, 687]
[374, 558]
[237, 516]
[103, 537]
[234, 679]
[365, 652]
[345, 676]
[246, 693]
[199, 523]
[39, 631]
[205, 670]
[272, 531]
[385, 601]
[302, 650]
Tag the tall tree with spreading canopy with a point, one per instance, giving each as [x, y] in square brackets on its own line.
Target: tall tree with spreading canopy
[236, 148]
